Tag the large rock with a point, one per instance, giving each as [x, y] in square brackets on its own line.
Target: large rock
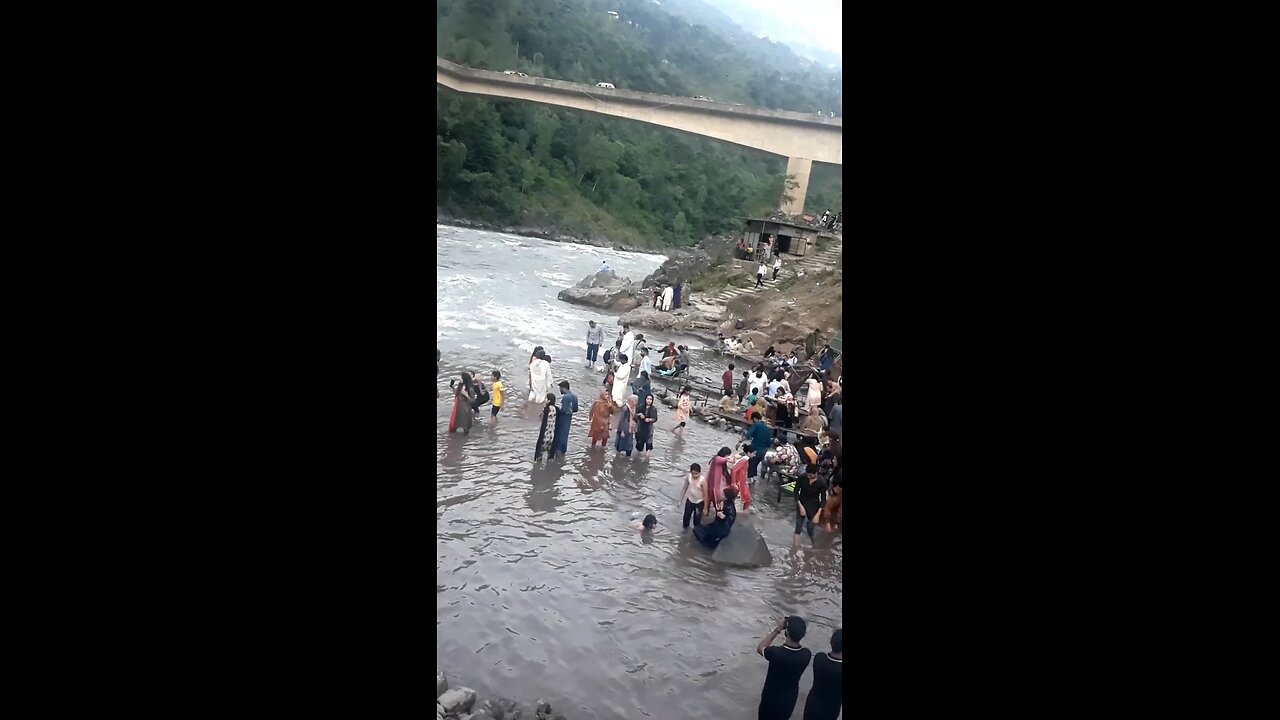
[744, 547]
[441, 684]
[604, 290]
[459, 700]
[691, 320]
[682, 265]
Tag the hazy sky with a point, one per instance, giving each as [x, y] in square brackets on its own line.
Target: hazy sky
[818, 20]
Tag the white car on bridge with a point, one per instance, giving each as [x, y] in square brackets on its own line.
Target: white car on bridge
[605, 85]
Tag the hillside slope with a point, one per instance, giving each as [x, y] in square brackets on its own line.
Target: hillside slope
[604, 178]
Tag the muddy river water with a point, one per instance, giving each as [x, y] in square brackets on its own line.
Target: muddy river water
[545, 588]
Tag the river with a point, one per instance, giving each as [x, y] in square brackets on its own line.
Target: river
[545, 588]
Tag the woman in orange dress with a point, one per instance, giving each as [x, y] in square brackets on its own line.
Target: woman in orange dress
[683, 406]
[601, 418]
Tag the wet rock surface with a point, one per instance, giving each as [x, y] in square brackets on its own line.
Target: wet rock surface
[690, 319]
[604, 290]
[744, 547]
[682, 265]
[460, 704]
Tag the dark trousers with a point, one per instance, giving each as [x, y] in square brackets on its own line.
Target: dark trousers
[804, 522]
[759, 279]
[775, 273]
[694, 510]
[753, 464]
[591, 351]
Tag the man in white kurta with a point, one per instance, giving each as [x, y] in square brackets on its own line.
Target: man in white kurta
[667, 294]
[628, 345]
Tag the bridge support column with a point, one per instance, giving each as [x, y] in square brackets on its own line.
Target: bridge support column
[799, 168]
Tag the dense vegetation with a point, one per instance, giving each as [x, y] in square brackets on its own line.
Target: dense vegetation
[519, 163]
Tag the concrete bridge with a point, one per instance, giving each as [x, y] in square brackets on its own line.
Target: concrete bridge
[799, 137]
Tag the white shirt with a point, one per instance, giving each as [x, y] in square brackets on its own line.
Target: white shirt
[762, 269]
[695, 490]
[775, 387]
[756, 382]
[646, 365]
[777, 263]
[628, 345]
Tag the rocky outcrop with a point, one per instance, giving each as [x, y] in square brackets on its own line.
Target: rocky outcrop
[692, 320]
[604, 290]
[682, 265]
[457, 704]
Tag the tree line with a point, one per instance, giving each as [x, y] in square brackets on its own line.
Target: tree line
[519, 163]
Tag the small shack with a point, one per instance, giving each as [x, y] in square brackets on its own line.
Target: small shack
[786, 237]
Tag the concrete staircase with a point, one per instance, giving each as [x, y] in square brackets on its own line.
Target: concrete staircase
[828, 256]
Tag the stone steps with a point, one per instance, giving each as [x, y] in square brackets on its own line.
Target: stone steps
[822, 259]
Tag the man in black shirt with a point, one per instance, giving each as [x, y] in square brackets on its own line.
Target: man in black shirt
[786, 665]
[826, 698]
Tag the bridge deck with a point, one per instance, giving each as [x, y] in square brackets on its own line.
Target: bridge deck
[640, 99]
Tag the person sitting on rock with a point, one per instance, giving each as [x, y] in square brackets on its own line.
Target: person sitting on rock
[726, 514]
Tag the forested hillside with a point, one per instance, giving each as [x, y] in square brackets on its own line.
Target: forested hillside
[514, 162]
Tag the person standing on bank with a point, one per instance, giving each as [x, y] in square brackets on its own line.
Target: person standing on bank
[760, 274]
[826, 698]
[564, 417]
[786, 666]
[595, 336]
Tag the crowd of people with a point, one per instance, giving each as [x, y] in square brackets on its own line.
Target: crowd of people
[709, 501]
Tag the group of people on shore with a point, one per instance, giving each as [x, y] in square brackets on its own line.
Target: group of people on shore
[670, 297]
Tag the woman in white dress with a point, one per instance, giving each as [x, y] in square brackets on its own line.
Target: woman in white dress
[815, 393]
[539, 378]
[667, 295]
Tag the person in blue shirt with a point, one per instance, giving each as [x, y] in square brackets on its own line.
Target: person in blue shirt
[761, 437]
[564, 416]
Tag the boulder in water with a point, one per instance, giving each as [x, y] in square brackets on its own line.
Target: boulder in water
[604, 290]
[744, 547]
[458, 700]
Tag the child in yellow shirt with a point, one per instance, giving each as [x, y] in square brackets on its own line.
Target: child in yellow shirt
[497, 398]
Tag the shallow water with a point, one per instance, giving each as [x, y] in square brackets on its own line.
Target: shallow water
[545, 588]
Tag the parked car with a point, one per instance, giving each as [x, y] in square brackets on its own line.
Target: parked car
[607, 86]
[703, 97]
[508, 72]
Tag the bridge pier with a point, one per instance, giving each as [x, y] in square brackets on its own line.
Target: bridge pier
[799, 168]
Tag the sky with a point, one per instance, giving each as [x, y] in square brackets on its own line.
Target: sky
[817, 21]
